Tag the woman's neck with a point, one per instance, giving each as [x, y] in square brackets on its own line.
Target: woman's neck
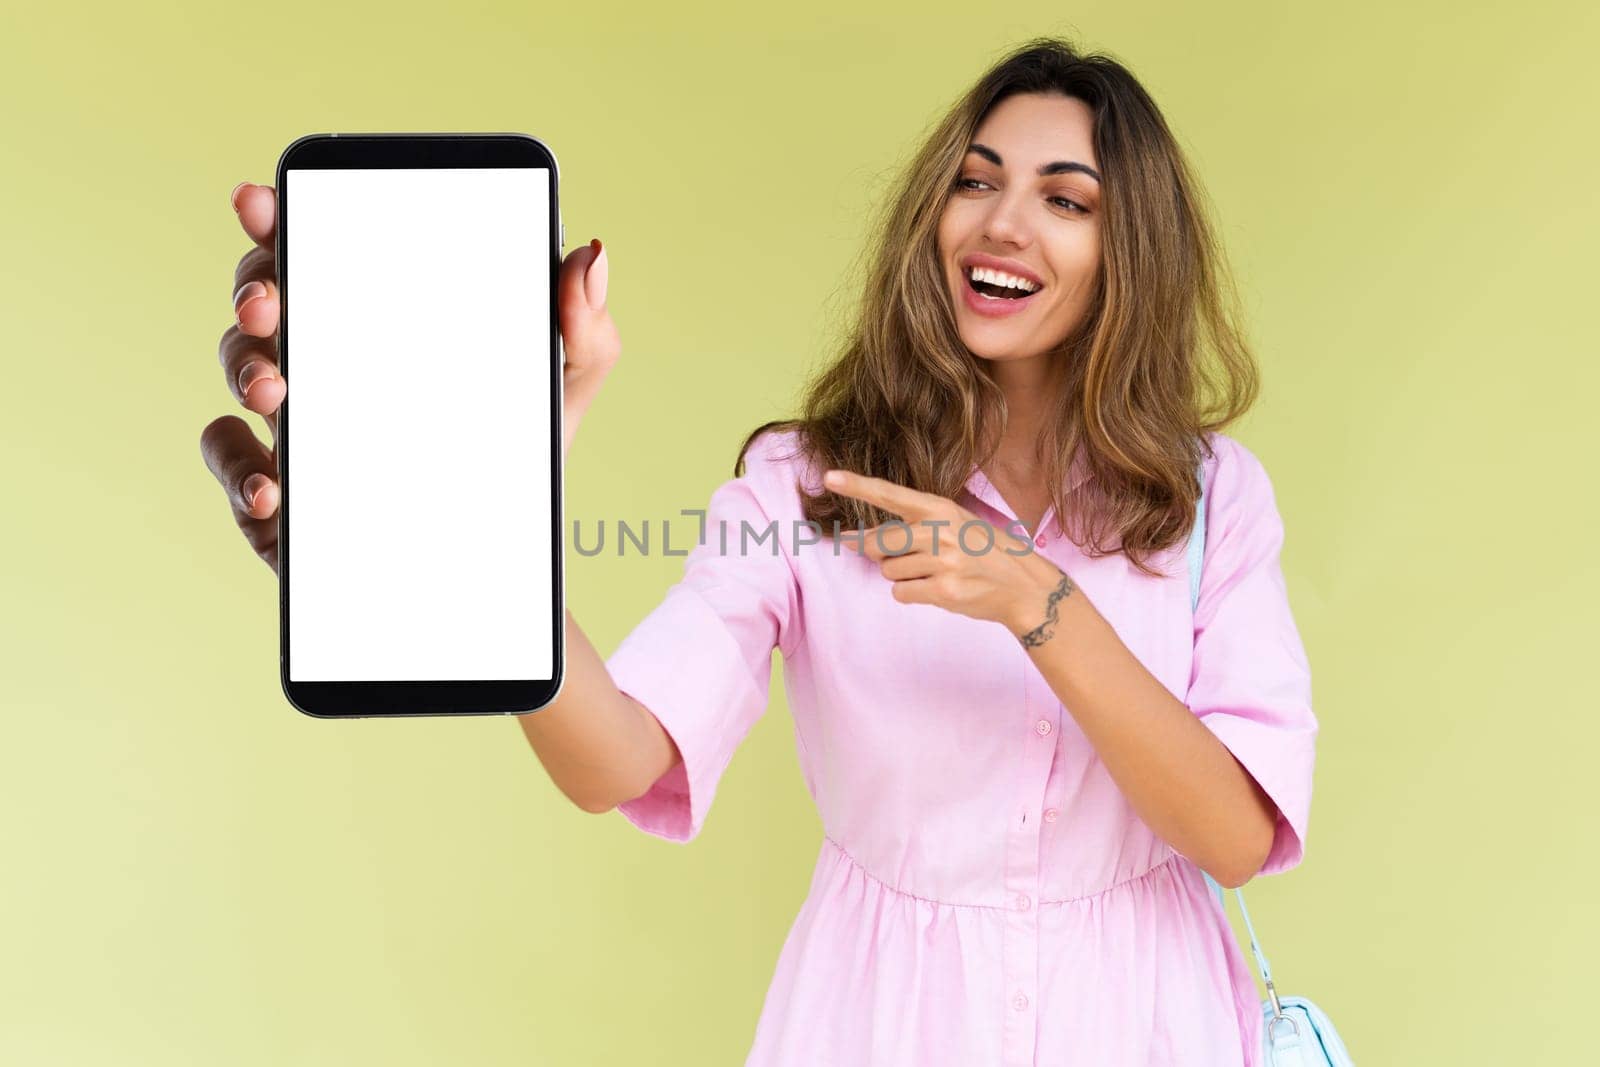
[1029, 391]
[1016, 468]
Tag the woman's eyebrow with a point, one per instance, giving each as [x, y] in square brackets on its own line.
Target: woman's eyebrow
[1058, 167]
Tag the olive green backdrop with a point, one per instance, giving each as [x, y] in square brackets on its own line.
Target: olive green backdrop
[196, 873]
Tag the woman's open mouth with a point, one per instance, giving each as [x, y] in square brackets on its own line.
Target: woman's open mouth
[996, 295]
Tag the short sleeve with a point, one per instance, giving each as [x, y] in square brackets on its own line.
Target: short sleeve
[701, 661]
[1251, 682]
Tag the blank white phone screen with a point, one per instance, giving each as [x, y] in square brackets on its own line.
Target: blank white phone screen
[419, 424]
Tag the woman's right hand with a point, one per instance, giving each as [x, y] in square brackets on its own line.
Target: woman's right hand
[247, 469]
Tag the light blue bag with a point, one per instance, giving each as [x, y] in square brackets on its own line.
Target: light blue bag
[1295, 1032]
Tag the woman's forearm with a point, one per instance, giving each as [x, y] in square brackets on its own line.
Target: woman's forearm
[599, 745]
[1178, 776]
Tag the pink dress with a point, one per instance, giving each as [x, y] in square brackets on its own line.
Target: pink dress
[984, 893]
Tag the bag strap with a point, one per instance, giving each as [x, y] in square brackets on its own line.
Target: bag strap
[1196, 556]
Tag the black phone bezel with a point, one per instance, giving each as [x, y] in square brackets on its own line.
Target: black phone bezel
[389, 699]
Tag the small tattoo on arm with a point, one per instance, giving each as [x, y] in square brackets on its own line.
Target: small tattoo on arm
[1042, 633]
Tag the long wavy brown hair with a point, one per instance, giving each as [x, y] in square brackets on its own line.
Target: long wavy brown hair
[1157, 361]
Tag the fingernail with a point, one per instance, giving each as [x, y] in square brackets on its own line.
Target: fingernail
[247, 292]
[595, 278]
[253, 372]
[253, 485]
[233, 197]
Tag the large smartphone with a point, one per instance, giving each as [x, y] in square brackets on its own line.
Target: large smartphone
[419, 442]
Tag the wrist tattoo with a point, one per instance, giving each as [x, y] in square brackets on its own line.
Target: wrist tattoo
[1043, 632]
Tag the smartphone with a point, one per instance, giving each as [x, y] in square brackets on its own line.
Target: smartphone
[419, 442]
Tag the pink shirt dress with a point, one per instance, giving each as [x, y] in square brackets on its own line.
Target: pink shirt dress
[984, 894]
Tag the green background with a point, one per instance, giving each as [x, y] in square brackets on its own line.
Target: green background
[196, 873]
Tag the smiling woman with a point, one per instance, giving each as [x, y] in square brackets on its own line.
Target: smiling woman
[1056, 170]
[1028, 758]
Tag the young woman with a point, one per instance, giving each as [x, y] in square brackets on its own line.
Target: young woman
[1024, 747]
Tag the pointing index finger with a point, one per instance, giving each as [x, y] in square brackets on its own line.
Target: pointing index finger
[910, 504]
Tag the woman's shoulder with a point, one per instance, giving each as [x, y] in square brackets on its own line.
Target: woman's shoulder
[1229, 462]
[1236, 480]
[778, 463]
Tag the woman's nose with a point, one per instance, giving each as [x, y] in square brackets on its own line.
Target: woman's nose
[1007, 223]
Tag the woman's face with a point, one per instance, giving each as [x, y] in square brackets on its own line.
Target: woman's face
[1026, 202]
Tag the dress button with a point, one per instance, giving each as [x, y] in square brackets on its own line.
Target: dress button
[1049, 814]
[1040, 540]
[1043, 726]
[1020, 1002]
[1023, 902]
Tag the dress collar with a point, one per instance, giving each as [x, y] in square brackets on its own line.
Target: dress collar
[979, 486]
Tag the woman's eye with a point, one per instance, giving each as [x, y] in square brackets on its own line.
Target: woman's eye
[1070, 205]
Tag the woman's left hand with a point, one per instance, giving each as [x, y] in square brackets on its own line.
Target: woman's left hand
[943, 554]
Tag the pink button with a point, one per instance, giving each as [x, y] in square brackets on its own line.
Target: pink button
[1040, 540]
[1020, 1002]
[1049, 814]
[1043, 726]
[1023, 902]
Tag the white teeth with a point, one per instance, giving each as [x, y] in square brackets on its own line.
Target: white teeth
[995, 277]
